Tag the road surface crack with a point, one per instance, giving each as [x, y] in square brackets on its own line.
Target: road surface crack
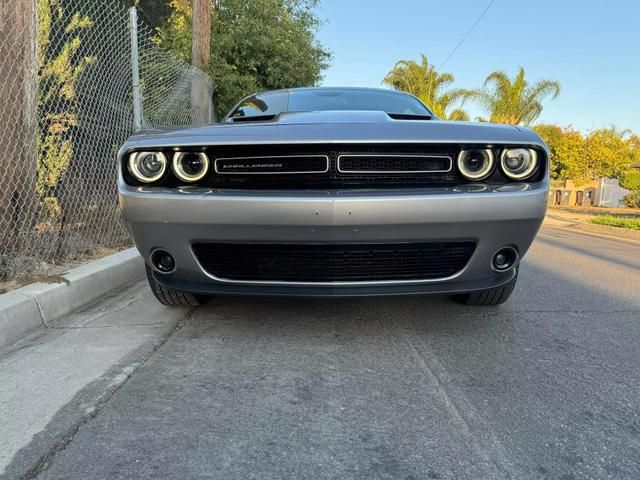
[114, 386]
[482, 439]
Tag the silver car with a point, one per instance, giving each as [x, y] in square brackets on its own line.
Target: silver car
[334, 192]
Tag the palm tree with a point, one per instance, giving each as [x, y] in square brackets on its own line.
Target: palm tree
[423, 81]
[513, 101]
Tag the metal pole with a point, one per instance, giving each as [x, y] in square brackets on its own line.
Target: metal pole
[138, 114]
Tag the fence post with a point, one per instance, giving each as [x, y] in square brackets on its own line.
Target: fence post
[138, 113]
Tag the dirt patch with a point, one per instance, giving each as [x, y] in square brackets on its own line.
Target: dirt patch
[587, 212]
[53, 273]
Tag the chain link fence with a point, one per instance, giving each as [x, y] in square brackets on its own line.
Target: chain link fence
[67, 102]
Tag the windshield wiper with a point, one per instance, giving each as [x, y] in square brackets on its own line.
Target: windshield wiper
[410, 116]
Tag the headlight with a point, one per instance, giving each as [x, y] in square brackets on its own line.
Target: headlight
[518, 163]
[147, 167]
[476, 164]
[190, 166]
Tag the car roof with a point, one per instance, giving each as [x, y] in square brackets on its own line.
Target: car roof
[311, 89]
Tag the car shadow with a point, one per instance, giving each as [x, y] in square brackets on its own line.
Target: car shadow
[540, 290]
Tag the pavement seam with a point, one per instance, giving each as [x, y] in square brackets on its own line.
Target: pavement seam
[574, 311]
[501, 467]
[156, 324]
[127, 373]
[101, 314]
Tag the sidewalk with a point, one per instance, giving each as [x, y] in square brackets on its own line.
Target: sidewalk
[54, 382]
[578, 220]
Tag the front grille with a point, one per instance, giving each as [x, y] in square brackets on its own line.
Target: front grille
[360, 166]
[393, 163]
[333, 263]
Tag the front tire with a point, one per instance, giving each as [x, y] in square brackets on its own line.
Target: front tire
[169, 296]
[491, 296]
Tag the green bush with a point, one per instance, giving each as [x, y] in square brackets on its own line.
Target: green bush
[612, 221]
[631, 180]
[632, 200]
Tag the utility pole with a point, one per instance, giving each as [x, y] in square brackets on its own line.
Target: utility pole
[18, 114]
[200, 57]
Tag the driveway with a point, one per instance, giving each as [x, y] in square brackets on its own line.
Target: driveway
[544, 387]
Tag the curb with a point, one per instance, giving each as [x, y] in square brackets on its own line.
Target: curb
[618, 232]
[28, 309]
[601, 230]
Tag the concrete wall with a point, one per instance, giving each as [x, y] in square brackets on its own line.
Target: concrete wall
[602, 192]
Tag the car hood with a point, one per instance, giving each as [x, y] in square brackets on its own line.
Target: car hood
[337, 127]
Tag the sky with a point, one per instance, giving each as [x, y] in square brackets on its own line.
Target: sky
[592, 47]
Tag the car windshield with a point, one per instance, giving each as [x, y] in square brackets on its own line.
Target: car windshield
[314, 100]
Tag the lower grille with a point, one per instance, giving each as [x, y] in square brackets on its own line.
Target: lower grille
[334, 263]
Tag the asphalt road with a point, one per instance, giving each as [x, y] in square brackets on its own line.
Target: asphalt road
[544, 387]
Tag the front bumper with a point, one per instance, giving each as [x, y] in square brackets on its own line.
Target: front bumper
[174, 219]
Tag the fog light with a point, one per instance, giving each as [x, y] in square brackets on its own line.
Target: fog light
[504, 259]
[163, 261]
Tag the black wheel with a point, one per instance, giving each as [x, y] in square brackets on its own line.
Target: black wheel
[492, 296]
[169, 296]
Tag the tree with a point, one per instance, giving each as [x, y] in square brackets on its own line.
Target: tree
[200, 57]
[155, 12]
[634, 142]
[606, 152]
[513, 101]
[631, 180]
[423, 81]
[609, 153]
[59, 72]
[553, 137]
[257, 45]
[568, 155]
[18, 45]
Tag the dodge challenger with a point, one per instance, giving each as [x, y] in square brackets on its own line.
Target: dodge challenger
[334, 192]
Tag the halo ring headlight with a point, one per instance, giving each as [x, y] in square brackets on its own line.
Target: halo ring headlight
[190, 166]
[518, 163]
[147, 167]
[476, 164]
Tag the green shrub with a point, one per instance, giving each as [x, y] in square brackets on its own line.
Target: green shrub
[632, 200]
[612, 221]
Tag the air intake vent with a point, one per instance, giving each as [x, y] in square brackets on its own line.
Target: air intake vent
[409, 116]
[253, 118]
[333, 263]
[393, 163]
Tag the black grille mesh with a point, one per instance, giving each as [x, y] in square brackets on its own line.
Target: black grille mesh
[398, 163]
[334, 263]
